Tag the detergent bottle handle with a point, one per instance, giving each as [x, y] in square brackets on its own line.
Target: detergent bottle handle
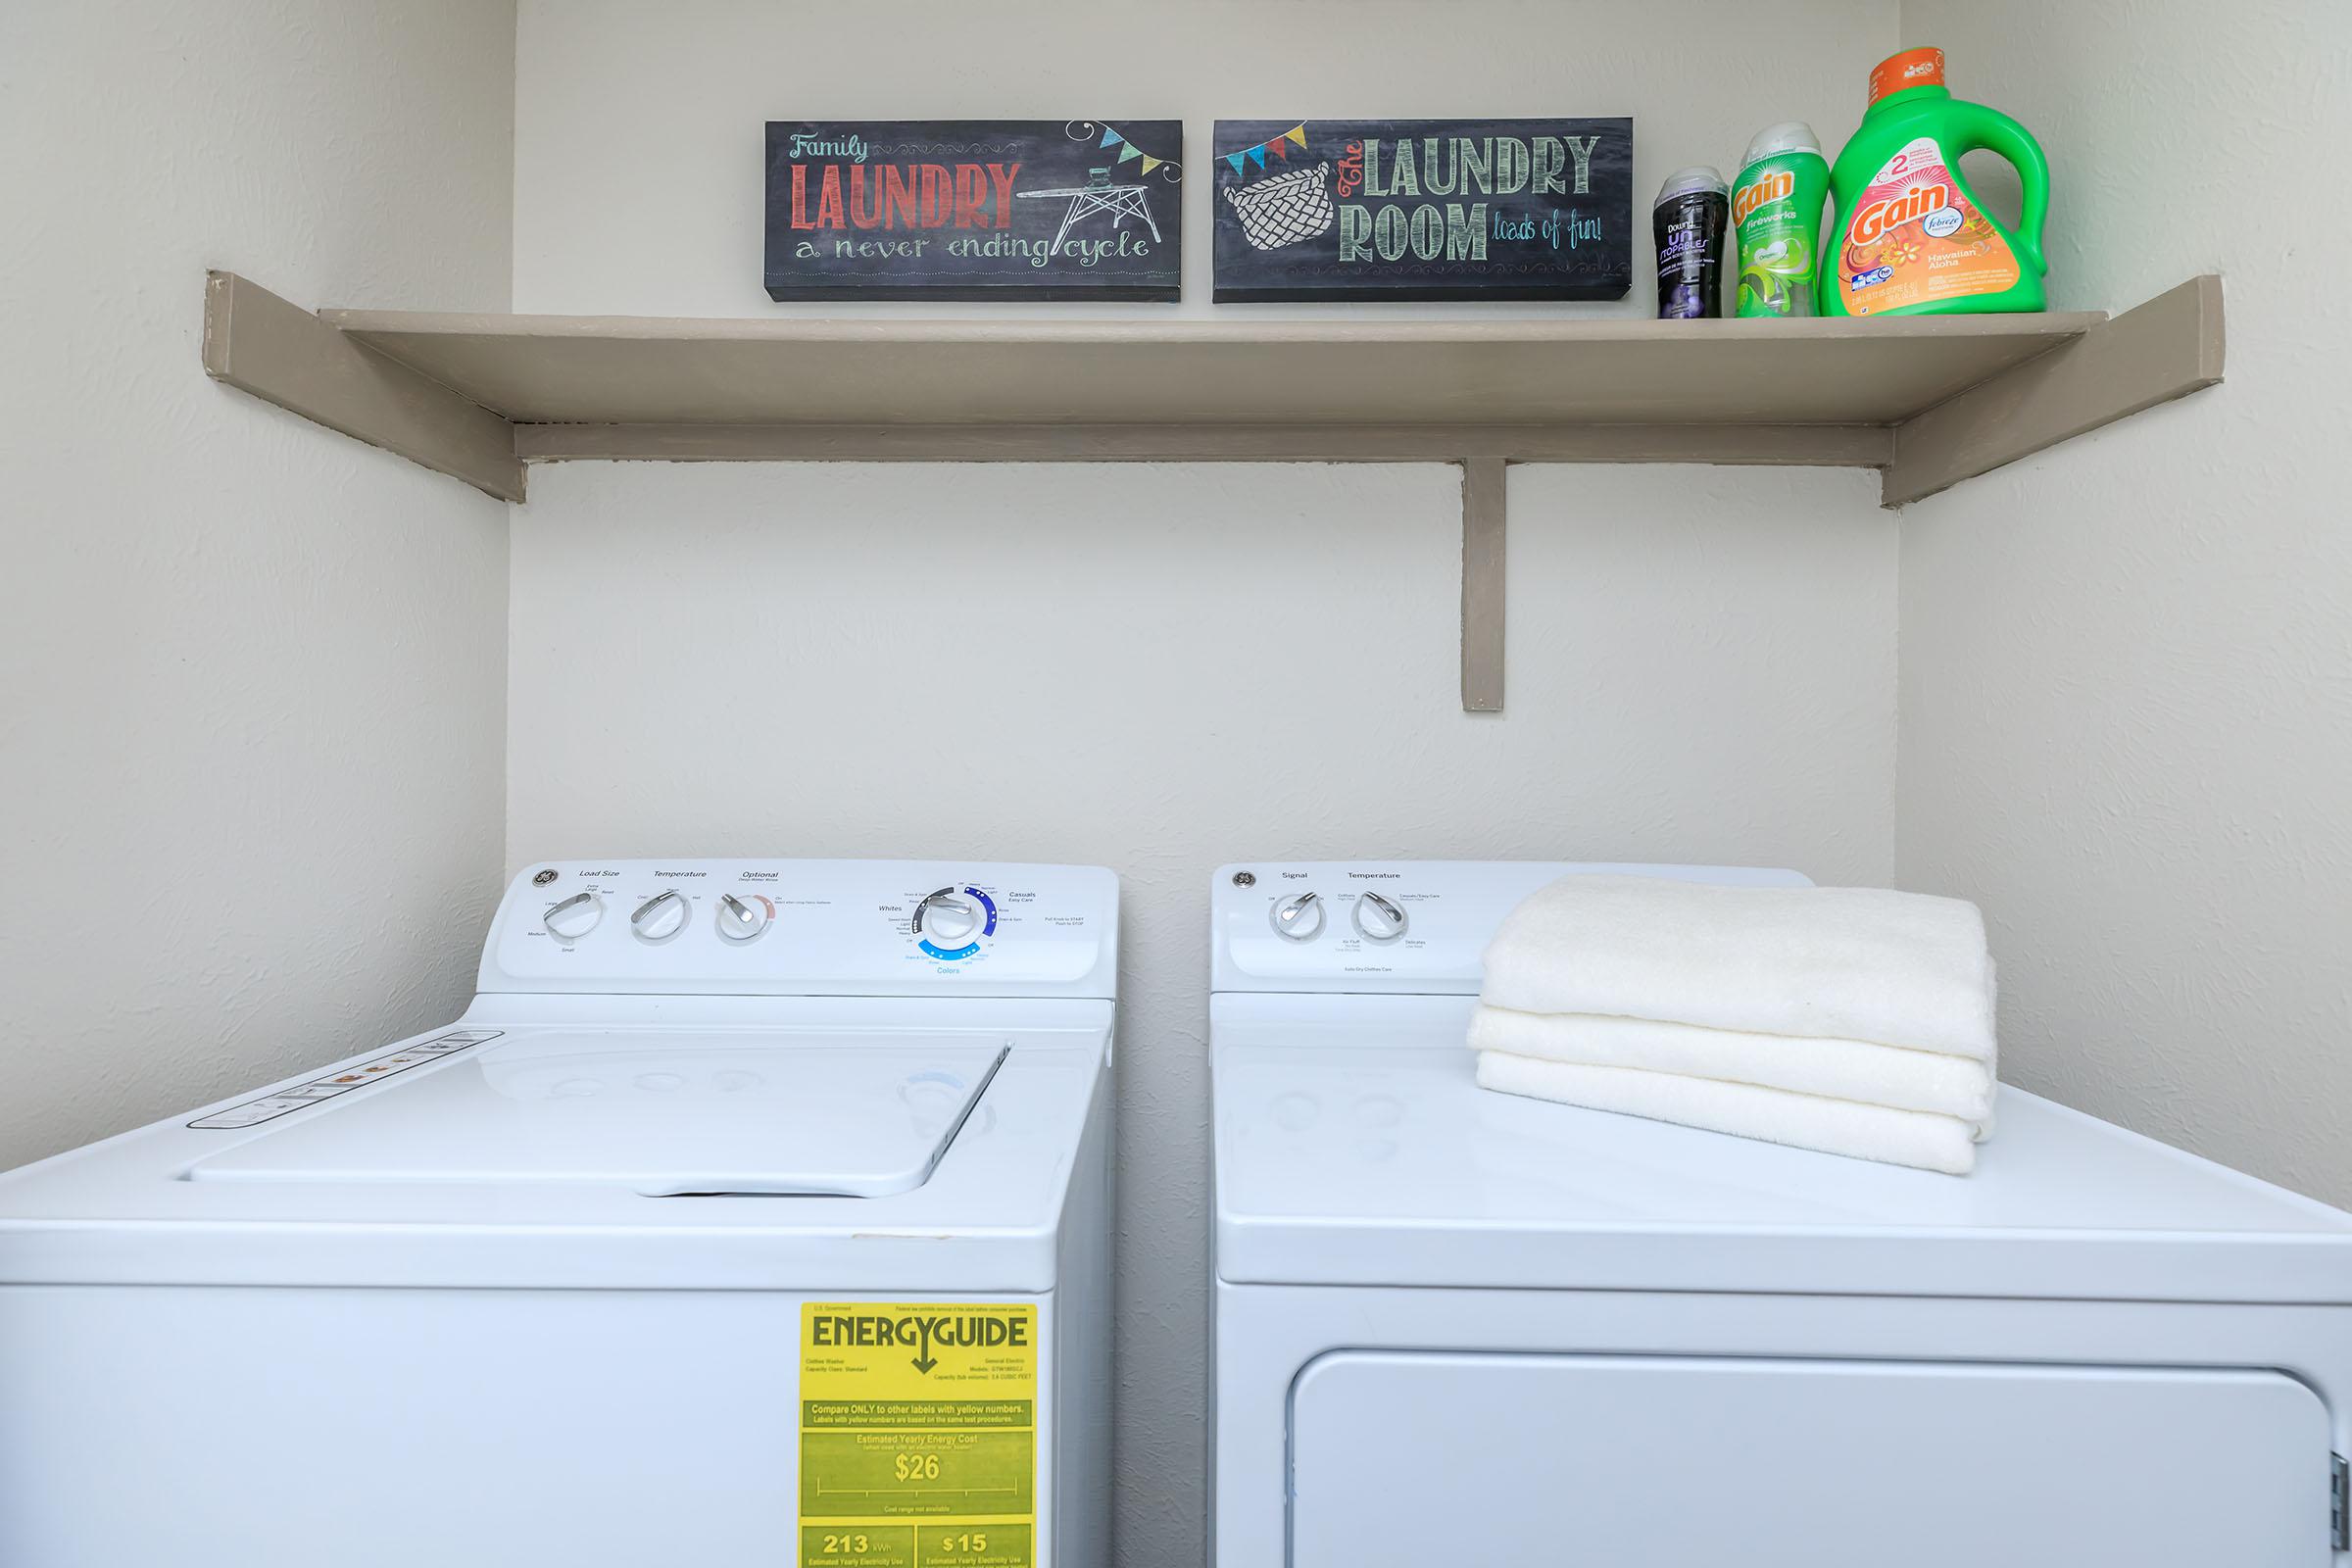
[1996, 133]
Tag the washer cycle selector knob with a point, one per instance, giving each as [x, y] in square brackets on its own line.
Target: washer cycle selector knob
[1300, 917]
[1378, 919]
[948, 924]
[570, 919]
[947, 918]
[659, 917]
[741, 920]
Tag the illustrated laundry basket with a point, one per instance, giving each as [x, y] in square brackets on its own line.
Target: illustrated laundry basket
[1284, 210]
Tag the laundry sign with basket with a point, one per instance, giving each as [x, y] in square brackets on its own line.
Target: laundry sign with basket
[1423, 209]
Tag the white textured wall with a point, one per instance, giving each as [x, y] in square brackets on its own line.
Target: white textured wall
[1164, 668]
[251, 751]
[2126, 664]
[640, 149]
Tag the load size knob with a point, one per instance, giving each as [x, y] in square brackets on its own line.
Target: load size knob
[1378, 919]
[659, 917]
[1299, 917]
[570, 919]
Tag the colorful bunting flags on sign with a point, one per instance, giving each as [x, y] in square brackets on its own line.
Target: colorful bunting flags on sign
[1127, 150]
[1279, 146]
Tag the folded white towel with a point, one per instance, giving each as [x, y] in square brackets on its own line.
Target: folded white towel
[1745, 1110]
[1840, 1069]
[1843, 963]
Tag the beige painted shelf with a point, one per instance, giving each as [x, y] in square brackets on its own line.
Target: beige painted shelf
[1927, 401]
[622, 370]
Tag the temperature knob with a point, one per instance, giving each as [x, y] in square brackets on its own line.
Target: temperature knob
[659, 917]
[572, 919]
[1300, 917]
[1377, 919]
[948, 919]
[741, 920]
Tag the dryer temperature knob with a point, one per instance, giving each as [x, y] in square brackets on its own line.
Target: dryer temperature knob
[1378, 919]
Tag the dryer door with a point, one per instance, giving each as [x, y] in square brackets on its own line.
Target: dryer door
[1412, 1459]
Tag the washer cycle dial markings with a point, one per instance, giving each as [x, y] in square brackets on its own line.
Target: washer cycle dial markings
[949, 922]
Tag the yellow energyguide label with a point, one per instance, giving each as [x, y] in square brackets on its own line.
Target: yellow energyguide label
[918, 1434]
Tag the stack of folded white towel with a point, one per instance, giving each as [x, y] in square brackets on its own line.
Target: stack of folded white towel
[1854, 1021]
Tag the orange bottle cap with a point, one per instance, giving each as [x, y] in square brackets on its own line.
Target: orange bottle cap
[1913, 68]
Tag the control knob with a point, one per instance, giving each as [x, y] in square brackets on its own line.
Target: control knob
[1378, 919]
[948, 919]
[741, 920]
[570, 919]
[1300, 917]
[659, 917]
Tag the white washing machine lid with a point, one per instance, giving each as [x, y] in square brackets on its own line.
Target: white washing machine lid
[1354, 1145]
[719, 1112]
[964, 1123]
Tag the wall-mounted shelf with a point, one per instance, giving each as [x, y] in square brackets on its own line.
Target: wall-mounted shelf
[1928, 401]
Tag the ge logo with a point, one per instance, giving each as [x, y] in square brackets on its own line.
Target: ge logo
[543, 879]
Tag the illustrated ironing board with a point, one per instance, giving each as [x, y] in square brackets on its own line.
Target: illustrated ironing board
[1098, 195]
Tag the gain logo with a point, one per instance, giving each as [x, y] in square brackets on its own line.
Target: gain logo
[1892, 212]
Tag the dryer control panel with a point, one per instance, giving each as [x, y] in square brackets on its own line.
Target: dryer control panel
[806, 928]
[1417, 926]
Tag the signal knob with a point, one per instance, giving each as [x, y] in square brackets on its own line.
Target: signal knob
[1299, 917]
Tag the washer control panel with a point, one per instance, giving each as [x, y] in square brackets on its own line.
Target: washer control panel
[358, 1075]
[949, 923]
[1388, 925]
[806, 928]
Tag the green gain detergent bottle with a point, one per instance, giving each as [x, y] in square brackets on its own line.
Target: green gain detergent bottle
[1910, 238]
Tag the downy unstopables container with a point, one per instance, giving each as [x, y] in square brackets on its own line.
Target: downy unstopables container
[1776, 213]
[1910, 237]
[1688, 223]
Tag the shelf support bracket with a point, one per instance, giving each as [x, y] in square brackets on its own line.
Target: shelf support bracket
[2153, 353]
[1483, 540]
[282, 354]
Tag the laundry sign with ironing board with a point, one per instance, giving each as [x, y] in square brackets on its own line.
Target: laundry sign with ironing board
[1098, 195]
[974, 210]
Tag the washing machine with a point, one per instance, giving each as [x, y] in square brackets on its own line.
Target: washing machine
[1454, 1326]
[754, 1213]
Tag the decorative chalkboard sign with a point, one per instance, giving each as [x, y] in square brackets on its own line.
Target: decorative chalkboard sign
[974, 209]
[1424, 209]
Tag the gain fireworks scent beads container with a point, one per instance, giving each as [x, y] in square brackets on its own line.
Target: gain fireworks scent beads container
[1909, 238]
[1776, 210]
